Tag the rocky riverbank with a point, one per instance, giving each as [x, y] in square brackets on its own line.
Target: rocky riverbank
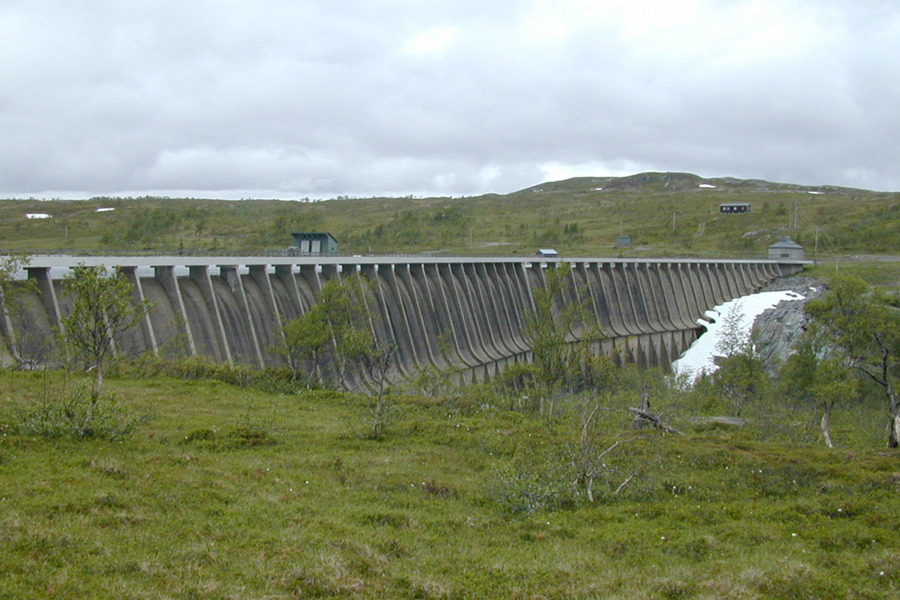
[778, 329]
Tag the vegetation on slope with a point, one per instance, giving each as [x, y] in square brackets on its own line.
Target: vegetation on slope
[665, 213]
[230, 492]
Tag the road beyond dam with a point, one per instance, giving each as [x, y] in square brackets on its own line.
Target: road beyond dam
[462, 312]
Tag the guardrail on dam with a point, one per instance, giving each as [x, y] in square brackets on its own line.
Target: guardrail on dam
[468, 312]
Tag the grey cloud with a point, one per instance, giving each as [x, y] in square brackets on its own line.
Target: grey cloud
[403, 97]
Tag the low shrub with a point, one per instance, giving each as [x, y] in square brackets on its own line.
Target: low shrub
[271, 380]
[524, 486]
[76, 415]
[230, 438]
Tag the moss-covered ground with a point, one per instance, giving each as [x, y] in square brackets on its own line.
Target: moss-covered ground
[229, 492]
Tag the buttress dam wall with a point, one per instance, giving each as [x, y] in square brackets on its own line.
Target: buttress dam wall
[468, 313]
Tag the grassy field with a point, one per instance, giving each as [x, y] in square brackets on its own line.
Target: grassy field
[666, 214]
[234, 493]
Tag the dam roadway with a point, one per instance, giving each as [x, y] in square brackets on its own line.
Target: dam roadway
[466, 313]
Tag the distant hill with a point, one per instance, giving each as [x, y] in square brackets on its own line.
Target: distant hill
[666, 214]
[676, 182]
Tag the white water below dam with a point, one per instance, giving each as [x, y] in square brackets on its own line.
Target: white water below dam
[699, 358]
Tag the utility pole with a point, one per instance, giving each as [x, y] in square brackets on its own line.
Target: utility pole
[795, 214]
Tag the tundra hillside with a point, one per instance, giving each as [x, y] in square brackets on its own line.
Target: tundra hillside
[664, 213]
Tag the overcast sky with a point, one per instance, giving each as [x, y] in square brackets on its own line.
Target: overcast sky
[318, 98]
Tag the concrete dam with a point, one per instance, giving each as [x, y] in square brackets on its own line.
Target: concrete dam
[468, 313]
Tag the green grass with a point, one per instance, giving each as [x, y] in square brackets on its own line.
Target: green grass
[191, 507]
[881, 274]
[574, 216]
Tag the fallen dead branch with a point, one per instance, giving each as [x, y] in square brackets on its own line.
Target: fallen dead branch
[642, 416]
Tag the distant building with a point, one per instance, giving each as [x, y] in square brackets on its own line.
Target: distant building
[547, 253]
[786, 249]
[623, 241]
[734, 207]
[313, 243]
[37, 216]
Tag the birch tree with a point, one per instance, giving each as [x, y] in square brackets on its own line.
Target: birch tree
[559, 332]
[102, 311]
[818, 374]
[861, 322]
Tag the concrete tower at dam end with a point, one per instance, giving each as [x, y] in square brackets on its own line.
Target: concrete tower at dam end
[468, 313]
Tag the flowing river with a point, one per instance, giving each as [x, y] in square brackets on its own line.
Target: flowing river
[699, 358]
